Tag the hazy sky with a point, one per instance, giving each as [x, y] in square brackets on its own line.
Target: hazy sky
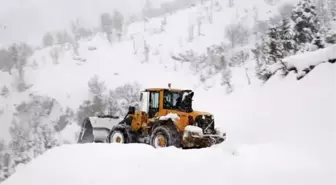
[28, 20]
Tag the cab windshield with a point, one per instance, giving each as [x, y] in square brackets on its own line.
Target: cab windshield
[178, 100]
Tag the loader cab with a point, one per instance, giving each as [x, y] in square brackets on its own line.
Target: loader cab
[152, 100]
[180, 100]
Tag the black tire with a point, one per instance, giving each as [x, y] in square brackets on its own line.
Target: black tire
[124, 131]
[170, 134]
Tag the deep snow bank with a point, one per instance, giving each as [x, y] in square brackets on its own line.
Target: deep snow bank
[283, 133]
[296, 115]
[103, 164]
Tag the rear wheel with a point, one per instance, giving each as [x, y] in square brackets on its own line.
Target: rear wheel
[165, 136]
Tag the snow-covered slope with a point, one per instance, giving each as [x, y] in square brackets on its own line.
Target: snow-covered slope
[66, 78]
[282, 133]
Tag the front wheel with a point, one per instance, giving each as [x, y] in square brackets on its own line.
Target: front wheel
[121, 134]
[117, 137]
[165, 136]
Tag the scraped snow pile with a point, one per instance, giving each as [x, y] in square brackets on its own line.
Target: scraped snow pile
[305, 61]
[282, 133]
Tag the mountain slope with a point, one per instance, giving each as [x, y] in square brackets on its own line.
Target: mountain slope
[58, 72]
[282, 133]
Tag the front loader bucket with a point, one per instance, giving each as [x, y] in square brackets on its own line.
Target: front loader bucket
[199, 140]
[86, 134]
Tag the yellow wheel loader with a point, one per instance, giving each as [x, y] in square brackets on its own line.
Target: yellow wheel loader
[165, 118]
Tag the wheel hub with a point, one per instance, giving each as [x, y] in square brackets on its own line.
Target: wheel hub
[117, 137]
[160, 141]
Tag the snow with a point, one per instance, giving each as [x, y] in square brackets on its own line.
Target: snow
[313, 58]
[171, 116]
[280, 133]
[70, 133]
[194, 129]
[285, 136]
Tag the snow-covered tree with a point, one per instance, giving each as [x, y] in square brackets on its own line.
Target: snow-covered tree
[63, 37]
[6, 168]
[97, 88]
[271, 2]
[306, 23]
[32, 131]
[147, 8]
[64, 119]
[332, 9]
[277, 44]
[6, 61]
[118, 23]
[163, 23]
[286, 35]
[48, 39]
[84, 110]
[238, 34]
[226, 76]
[55, 54]
[79, 30]
[285, 10]
[126, 95]
[231, 3]
[19, 56]
[106, 23]
[146, 51]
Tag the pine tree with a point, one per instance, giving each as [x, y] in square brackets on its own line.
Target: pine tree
[287, 38]
[274, 46]
[306, 23]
